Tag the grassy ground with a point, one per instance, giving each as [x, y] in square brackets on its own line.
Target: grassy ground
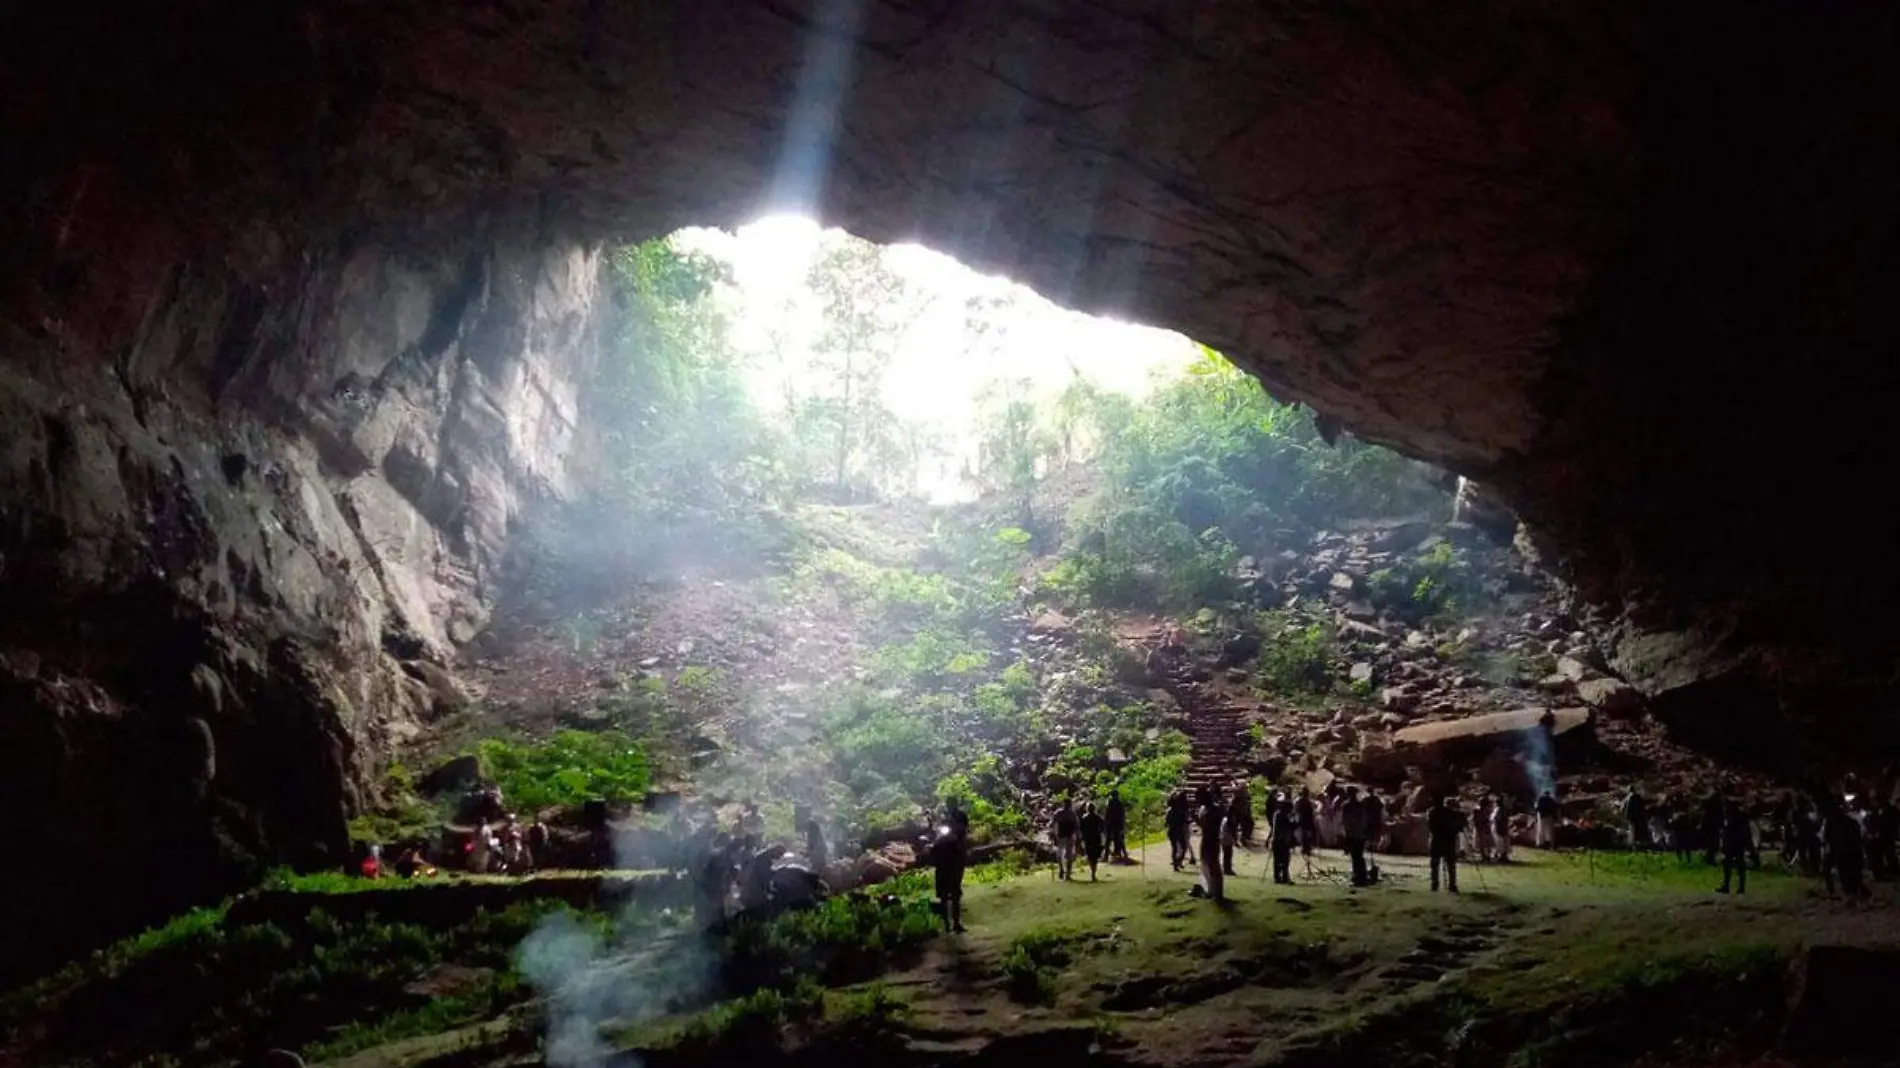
[1557, 959]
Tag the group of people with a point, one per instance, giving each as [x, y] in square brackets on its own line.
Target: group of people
[742, 867]
[1841, 834]
[1092, 835]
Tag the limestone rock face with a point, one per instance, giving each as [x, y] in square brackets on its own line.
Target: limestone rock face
[294, 303]
[222, 548]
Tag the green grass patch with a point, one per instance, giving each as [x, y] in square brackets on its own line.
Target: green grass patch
[569, 767]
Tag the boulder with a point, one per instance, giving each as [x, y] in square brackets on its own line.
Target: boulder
[1360, 673]
[1569, 667]
[1341, 582]
[1613, 697]
[1467, 742]
[1399, 698]
[458, 774]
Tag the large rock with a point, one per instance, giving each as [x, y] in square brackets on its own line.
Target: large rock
[1612, 697]
[1540, 734]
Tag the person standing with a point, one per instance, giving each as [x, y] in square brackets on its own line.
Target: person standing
[817, 853]
[1242, 807]
[1177, 819]
[1375, 822]
[1846, 850]
[1738, 840]
[1115, 825]
[1283, 829]
[1548, 814]
[1306, 813]
[1501, 830]
[1091, 828]
[1211, 815]
[950, 854]
[1352, 827]
[1482, 828]
[1230, 831]
[1066, 828]
[1636, 817]
[1444, 824]
[1713, 811]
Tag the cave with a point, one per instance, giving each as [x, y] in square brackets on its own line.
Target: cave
[298, 299]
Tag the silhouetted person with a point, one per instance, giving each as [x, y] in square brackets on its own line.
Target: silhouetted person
[1066, 828]
[1091, 827]
[1375, 821]
[1548, 812]
[1210, 815]
[1884, 857]
[1713, 810]
[1443, 824]
[1808, 836]
[817, 853]
[1283, 829]
[1352, 827]
[1636, 814]
[1230, 831]
[1738, 840]
[1115, 825]
[950, 854]
[1846, 850]
[1179, 847]
[1306, 814]
[712, 883]
[1243, 807]
[1482, 825]
[1501, 830]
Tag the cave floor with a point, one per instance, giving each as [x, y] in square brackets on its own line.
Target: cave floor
[1553, 952]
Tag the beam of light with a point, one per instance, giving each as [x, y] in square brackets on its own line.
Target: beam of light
[811, 128]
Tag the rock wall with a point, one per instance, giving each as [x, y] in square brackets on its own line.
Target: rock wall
[236, 553]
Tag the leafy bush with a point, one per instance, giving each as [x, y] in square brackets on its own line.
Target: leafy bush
[222, 990]
[1030, 963]
[568, 768]
[844, 939]
[1295, 661]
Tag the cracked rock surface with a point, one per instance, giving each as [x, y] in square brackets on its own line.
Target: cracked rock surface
[297, 299]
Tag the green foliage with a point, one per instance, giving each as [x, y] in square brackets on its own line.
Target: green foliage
[1295, 661]
[490, 997]
[1031, 961]
[845, 939]
[1210, 467]
[1436, 582]
[222, 990]
[751, 1023]
[568, 768]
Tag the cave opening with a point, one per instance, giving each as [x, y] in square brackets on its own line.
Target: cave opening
[301, 307]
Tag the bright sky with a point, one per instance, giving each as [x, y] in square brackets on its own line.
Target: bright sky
[939, 367]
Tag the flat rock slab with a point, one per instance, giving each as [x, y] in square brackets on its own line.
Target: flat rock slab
[1497, 727]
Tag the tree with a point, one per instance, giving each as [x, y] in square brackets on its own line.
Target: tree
[840, 414]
